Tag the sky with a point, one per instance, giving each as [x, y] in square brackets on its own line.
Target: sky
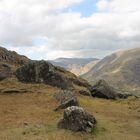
[49, 29]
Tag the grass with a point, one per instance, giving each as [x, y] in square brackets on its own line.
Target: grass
[30, 116]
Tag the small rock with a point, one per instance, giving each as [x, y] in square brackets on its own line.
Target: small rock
[66, 99]
[71, 102]
[77, 119]
[85, 92]
[13, 91]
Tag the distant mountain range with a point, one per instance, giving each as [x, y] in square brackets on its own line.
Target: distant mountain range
[77, 66]
[121, 69]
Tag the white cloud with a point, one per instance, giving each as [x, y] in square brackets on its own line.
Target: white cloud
[115, 25]
[103, 4]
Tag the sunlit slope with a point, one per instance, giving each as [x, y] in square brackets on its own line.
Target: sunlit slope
[121, 69]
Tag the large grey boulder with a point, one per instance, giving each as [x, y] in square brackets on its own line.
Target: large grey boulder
[5, 71]
[45, 72]
[103, 90]
[65, 99]
[77, 119]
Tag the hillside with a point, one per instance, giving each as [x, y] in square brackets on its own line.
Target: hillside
[26, 70]
[121, 69]
[77, 66]
[27, 106]
[11, 57]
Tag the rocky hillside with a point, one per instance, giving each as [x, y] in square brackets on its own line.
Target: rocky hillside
[121, 69]
[11, 57]
[45, 72]
[29, 71]
[77, 66]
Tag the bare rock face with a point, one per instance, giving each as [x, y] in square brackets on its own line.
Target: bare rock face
[45, 72]
[66, 99]
[5, 71]
[103, 90]
[77, 119]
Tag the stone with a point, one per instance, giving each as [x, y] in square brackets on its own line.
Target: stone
[66, 99]
[5, 71]
[77, 119]
[102, 90]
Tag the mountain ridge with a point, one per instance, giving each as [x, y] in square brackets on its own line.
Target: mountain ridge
[120, 68]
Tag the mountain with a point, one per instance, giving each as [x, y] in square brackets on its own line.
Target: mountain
[11, 57]
[121, 69]
[77, 66]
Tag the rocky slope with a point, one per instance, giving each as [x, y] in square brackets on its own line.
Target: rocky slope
[11, 57]
[121, 69]
[45, 72]
[77, 66]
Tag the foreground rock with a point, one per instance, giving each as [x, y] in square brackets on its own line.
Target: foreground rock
[77, 119]
[66, 99]
[5, 71]
[103, 90]
[45, 72]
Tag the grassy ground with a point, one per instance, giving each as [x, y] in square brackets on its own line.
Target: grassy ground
[30, 116]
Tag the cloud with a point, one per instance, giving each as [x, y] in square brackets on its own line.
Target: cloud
[114, 25]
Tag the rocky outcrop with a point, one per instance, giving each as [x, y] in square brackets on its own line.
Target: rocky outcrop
[45, 72]
[11, 57]
[103, 90]
[5, 71]
[66, 99]
[77, 119]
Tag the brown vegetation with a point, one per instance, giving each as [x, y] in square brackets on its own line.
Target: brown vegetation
[30, 115]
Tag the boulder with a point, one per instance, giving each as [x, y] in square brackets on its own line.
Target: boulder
[66, 99]
[103, 90]
[45, 72]
[77, 119]
[5, 71]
